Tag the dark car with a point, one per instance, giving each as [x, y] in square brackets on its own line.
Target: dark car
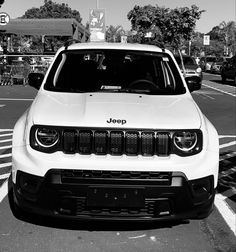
[228, 70]
[193, 73]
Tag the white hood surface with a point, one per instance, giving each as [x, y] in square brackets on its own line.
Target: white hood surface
[123, 110]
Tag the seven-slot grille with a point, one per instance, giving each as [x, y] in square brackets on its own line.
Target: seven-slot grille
[116, 142]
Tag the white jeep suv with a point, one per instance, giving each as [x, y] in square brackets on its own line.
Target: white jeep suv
[114, 134]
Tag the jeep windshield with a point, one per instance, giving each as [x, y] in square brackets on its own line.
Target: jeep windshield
[81, 71]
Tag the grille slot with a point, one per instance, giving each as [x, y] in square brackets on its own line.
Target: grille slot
[76, 206]
[116, 142]
[74, 176]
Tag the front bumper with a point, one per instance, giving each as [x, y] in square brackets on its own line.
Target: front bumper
[114, 195]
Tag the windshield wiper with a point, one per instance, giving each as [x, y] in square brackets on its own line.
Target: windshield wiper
[137, 91]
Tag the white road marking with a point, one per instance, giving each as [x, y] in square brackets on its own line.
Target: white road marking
[15, 99]
[228, 155]
[227, 136]
[208, 96]
[5, 165]
[5, 135]
[5, 141]
[5, 147]
[226, 212]
[3, 190]
[219, 90]
[227, 144]
[4, 130]
[2, 105]
[5, 155]
[137, 237]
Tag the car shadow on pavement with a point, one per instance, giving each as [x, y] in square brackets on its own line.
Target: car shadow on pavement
[86, 225]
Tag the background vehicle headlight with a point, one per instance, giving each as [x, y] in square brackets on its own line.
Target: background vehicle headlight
[199, 70]
[187, 142]
[46, 137]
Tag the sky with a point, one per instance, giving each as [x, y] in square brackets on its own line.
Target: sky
[116, 11]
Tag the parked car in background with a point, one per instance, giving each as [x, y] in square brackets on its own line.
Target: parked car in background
[216, 66]
[193, 72]
[228, 70]
[206, 62]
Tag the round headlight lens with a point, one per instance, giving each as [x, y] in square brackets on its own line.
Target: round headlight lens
[185, 141]
[199, 70]
[46, 137]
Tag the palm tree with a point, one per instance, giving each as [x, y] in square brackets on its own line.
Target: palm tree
[114, 33]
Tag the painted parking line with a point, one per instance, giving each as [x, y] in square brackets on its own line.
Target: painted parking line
[6, 135]
[3, 190]
[4, 165]
[5, 155]
[5, 147]
[219, 90]
[225, 210]
[227, 144]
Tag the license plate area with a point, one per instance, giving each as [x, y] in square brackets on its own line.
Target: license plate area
[113, 197]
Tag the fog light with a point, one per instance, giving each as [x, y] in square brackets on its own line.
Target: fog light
[28, 185]
[202, 189]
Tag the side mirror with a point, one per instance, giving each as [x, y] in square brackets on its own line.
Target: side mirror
[192, 83]
[35, 79]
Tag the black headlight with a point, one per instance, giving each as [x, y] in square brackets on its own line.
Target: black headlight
[45, 139]
[187, 142]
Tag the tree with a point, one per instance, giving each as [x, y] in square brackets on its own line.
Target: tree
[228, 31]
[114, 33]
[168, 26]
[52, 9]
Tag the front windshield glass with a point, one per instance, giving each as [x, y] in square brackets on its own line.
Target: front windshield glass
[114, 71]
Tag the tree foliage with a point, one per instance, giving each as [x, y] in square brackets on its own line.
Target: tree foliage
[168, 26]
[52, 9]
[114, 33]
[49, 9]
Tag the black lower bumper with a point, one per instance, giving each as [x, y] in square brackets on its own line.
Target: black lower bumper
[114, 195]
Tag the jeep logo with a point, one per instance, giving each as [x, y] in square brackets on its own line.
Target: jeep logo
[119, 121]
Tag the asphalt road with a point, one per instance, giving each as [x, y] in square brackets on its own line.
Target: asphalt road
[217, 101]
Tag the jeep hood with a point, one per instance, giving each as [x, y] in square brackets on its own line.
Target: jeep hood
[115, 110]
